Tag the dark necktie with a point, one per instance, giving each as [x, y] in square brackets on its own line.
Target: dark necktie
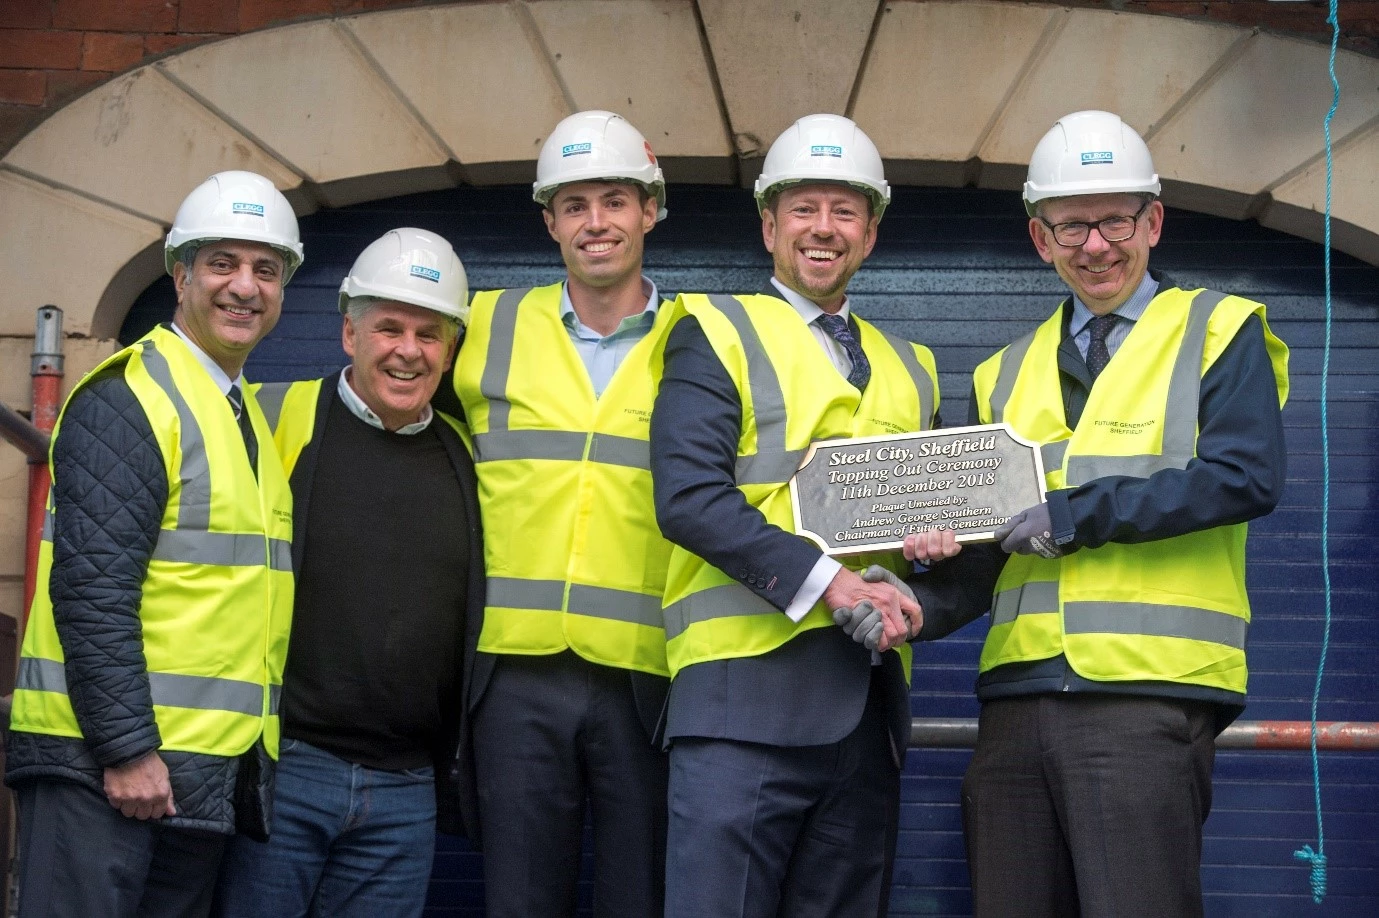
[246, 430]
[836, 327]
[1098, 355]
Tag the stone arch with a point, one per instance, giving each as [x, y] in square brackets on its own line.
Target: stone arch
[348, 109]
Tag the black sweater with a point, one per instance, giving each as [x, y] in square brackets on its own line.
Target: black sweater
[373, 662]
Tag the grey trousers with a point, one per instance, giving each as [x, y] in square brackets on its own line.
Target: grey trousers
[79, 856]
[1088, 805]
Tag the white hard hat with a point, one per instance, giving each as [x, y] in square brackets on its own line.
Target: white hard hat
[236, 205]
[411, 266]
[597, 146]
[1089, 153]
[824, 148]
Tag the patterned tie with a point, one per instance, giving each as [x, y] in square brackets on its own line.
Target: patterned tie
[1098, 355]
[246, 429]
[836, 327]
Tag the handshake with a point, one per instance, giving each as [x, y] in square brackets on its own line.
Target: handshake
[876, 610]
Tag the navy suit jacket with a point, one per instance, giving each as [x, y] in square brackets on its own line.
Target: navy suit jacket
[814, 688]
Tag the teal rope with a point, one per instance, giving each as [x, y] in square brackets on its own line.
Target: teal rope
[1318, 858]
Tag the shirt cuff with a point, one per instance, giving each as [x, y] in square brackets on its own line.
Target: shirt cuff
[825, 569]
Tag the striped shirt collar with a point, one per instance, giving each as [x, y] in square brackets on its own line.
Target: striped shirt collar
[1132, 309]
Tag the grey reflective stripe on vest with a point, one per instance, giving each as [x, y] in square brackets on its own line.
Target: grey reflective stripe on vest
[529, 444]
[1052, 454]
[1007, 373]
[611, 449]
[172, 690]
[595, 602]
[1180, 412]
[1034, 596]
[924, 385]
[270, 398]
[1153, 620]
[772, 462]
[194, 506]
[205, 693]
[722, 601]
[568, 445]
[222, 549]
[502, 338]
[48, 519]
[38, 675]
[618, 605]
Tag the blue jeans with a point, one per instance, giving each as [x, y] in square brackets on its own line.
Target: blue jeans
[346, 841]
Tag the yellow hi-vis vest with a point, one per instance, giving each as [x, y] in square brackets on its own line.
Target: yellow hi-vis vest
[217, 599]
[290, 410]
[791, 396]
[1172, 610]
[574, 556]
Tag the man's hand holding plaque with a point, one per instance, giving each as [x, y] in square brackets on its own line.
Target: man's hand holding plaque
[931, 545]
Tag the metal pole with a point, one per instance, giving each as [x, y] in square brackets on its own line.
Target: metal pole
[25, 437]
[46, 370]
[1336, 736]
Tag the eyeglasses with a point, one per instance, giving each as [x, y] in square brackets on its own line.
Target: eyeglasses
[1112, 229]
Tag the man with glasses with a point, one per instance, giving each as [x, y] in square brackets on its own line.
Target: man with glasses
[1117, 644]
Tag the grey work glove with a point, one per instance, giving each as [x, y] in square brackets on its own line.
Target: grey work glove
[1029, 532]
[862, 623]
[878, 574]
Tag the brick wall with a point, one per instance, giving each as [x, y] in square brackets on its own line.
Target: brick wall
[52, 50]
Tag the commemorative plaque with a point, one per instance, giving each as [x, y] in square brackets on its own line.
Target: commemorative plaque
[867, 494]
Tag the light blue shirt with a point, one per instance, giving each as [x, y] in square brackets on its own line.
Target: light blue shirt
[1128, 313]
[603, 354]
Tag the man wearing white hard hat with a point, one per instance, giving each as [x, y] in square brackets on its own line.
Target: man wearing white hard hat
[389, 562]
[789, 710]
[1117, 646]
[145, 714]
[557, 383]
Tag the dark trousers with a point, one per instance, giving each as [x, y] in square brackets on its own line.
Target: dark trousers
[79, 856]
[1088, 804]
[760, 831]
[552, 735]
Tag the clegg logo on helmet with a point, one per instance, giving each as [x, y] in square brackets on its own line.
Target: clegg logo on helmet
[597, 146]
[824, 148]
[236, 205]
[411, 266]
[1091, 138]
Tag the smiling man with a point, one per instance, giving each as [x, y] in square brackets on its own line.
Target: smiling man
[557, 383]
[1117, 646]
[146, 702]
[388, 557]
[786, 732]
